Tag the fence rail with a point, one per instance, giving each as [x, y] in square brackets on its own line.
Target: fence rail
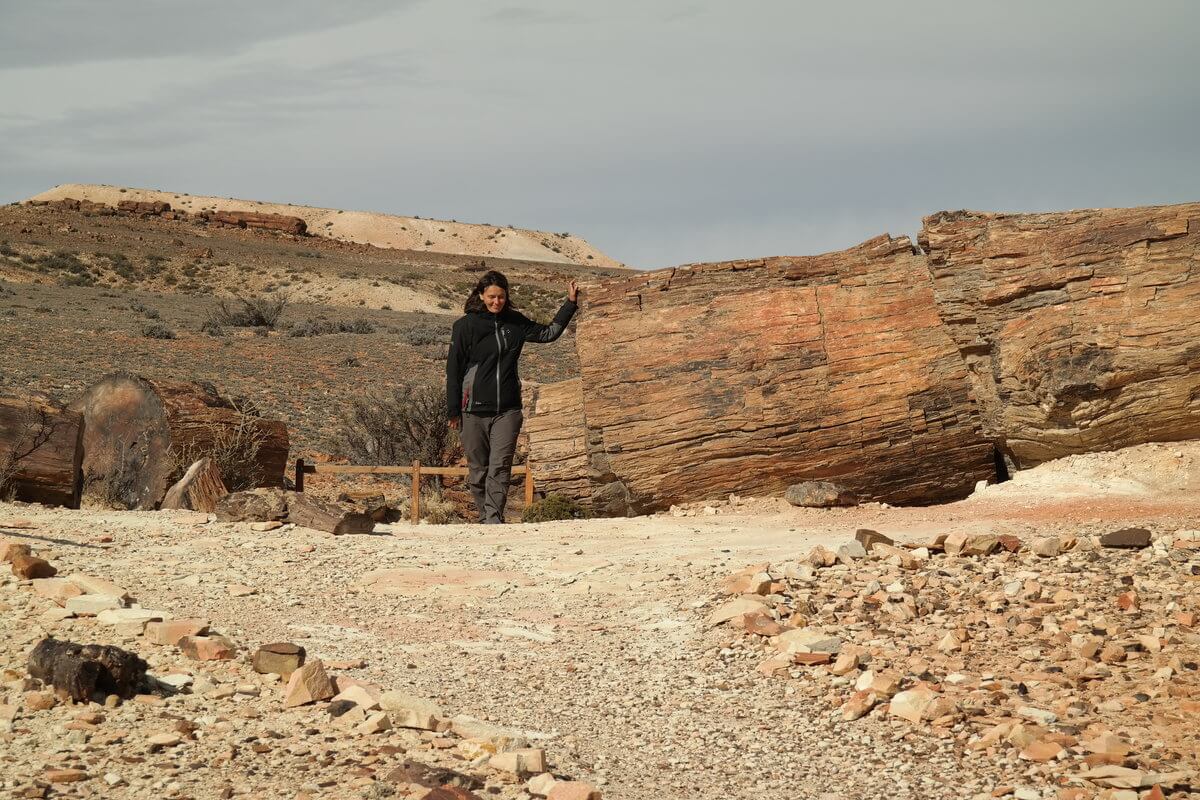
[416, 471]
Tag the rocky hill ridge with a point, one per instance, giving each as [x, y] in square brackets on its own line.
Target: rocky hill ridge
[365, 227]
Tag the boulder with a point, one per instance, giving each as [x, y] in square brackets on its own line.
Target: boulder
[1078, 328]
[1126, 537]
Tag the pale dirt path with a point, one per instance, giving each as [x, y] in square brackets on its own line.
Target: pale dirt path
[587, 633]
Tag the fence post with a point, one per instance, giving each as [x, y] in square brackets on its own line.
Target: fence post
[415, 503]
[299, 482]
[528, 484]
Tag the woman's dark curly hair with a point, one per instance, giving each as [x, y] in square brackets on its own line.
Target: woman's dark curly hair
[490, 278]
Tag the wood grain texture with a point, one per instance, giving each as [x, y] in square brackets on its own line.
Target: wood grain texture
[1080, 329]
[748, 376]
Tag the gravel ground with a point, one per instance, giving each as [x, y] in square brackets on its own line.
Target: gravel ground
[589, 636]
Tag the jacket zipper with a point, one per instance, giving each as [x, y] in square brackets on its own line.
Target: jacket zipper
[499, 350]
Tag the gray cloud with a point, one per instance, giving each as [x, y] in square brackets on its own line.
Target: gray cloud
[665, 133]
[57, 32]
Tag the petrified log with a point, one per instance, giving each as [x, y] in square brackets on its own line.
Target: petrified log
[309, 512]
[200, 488]
[143, 207]
[558, 453]
[135, 431]
[1079, 328]
[41, 450]
[249, 219]
[749, 376]
[80, 671]
[254, 505]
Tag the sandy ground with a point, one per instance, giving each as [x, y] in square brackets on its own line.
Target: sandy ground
[590, 635]
[365, 227]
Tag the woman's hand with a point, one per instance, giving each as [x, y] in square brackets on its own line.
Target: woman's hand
[455, 423]
[573, 291]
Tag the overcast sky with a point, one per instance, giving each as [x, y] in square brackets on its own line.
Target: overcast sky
[664, 131]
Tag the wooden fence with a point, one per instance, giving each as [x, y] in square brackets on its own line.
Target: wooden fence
[416, 471]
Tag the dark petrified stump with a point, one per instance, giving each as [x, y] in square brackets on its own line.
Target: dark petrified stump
[79, 671]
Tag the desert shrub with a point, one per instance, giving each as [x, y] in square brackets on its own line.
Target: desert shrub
[553, 507]
[320, 327]
[418, 337]
[63, 261]
[83, 279]
[212, 328]
[436, 509]
[356, 326]
[6, 249]
[249, 312]
[148, 311]
[233, 449]
[398, 428]
[157, 330]
[443, 304]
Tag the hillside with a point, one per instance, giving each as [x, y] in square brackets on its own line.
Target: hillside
[83, 294]
[366, 227]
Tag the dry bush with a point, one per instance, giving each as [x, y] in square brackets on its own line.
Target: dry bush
[33, 428]
[436, 509]
[249, 312]
[234, 451]
[407, 425]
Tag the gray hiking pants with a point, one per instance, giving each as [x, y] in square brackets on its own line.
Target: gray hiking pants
[488, 443]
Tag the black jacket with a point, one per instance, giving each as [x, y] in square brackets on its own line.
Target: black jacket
[481, 370]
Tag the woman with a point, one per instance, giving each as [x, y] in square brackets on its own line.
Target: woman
[483, 390]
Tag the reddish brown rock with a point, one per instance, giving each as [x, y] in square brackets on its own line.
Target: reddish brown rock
[281, 658]
[1078, 327]
[750, 376]
[31, 567]
[308, 684]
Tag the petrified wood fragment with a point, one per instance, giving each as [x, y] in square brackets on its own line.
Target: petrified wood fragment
[79, 671]
[1080, 328]
[749, 376]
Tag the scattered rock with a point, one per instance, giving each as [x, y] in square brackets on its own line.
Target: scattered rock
[819, 494]
[308, 684]
[281, 658]
[207, 648]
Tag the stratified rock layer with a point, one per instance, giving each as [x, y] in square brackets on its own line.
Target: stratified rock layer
[1080, 329]
[558, 440]
[749, 376]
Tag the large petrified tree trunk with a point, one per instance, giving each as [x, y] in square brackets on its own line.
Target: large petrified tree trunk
[749, 376]
[138, 433]
[558, 453]
[1080, 328]
[40, 450]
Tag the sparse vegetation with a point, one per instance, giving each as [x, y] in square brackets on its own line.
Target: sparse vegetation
[251, 312]
[234, 451]
[408, 424]
[314, 327]
[553, 507]
[419, 337]
[212, 328]
[157, 330]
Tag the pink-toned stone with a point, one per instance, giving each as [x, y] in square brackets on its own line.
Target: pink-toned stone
[207, 648]
[170, 632]
[573, 790]
[308, 684]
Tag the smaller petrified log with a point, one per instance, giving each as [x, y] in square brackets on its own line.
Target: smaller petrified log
[80, 671]
[264, 505]
[309, 512]
[819, 494]
[41, 450]
[200, 488]
[254, 505]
